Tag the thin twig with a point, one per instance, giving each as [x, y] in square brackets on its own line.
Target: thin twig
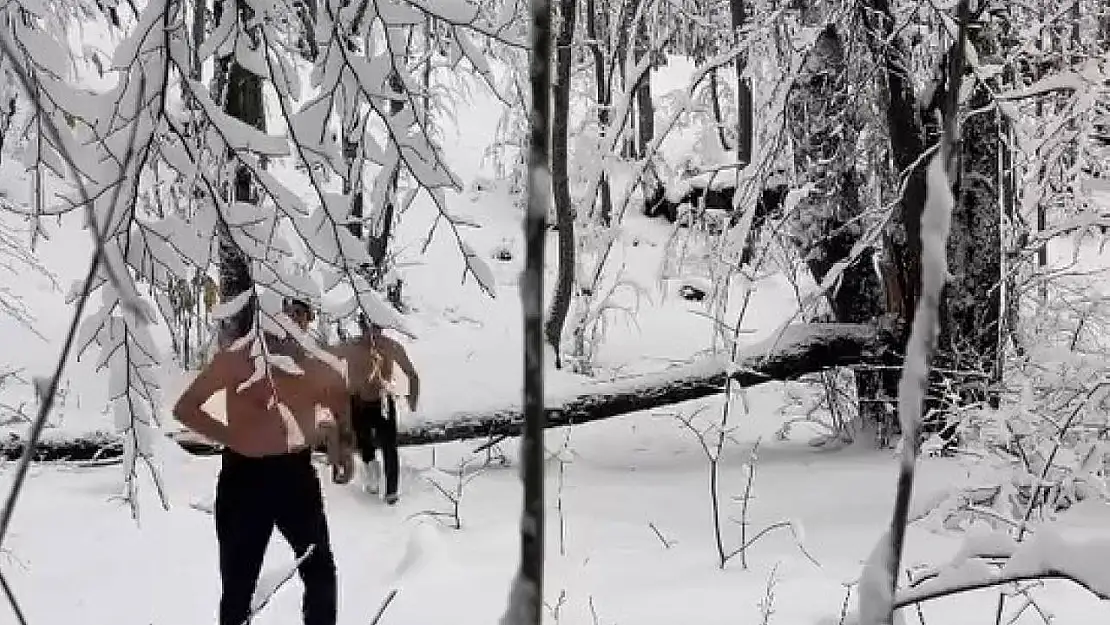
[659, 535]
[288, 576]
[385, 605]
[12, 601]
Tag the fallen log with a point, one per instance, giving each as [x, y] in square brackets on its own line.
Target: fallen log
[95, 445]
[801, 349]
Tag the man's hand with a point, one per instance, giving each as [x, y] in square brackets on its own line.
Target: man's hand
[343, 468]
[340, 451]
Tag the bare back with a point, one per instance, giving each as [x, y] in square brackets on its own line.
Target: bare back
[371, 365]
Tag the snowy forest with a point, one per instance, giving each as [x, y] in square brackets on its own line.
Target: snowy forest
[782, 312]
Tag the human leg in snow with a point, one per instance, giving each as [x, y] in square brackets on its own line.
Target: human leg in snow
[244, 522]
[299, 516]
[386, 431]
[365, 415]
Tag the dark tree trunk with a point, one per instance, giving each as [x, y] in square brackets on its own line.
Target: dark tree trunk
[645, 108]
[243, 102]
[968, 346]
[560, 177]
[744, 130]
[381, 229]
[306, 12]
[718, 116]
[200, 7]
[526, 602]
[901, 265]
[604, 103]
[645, 111]
[825, 130]
[378, 242]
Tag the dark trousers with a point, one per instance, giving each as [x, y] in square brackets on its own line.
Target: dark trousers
[375, 425]
[255, 495]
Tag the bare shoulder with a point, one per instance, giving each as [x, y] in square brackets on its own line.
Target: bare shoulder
[388, 344]
[339, 347]
[231, 365]
[323, 372]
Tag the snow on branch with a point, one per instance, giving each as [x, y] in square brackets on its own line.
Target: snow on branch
[880, 572]
[1045, 556]
[153, 176]
[103, 158]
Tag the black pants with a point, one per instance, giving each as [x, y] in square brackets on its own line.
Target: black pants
[254, 495]
[375, 425]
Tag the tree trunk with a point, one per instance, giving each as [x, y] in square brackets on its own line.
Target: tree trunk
[306, 12]
[200, 7]
[968, 345]
[801, 350]
[604, 103]
[645, 113]
[825, 131]
[526, 604]
[902, 243]
[744, 130]
[381, 229]
[645, 108]
[243, 102]
[560, 177]
[718, 116]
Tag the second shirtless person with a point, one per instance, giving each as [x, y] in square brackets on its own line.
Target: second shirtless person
[371, 363]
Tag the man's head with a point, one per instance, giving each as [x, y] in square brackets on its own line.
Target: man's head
[299, 311]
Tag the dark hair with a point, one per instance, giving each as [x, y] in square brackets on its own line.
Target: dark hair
[296, 301]
[284, 346]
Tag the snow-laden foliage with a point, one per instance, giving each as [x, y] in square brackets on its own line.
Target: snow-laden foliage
[151, 158]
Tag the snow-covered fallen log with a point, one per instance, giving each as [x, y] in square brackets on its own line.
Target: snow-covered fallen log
[799, 350]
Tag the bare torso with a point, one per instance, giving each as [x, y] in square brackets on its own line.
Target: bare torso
[258, 423]
[370, 368]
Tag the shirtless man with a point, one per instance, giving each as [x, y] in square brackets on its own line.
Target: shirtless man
[371, 361]
[267, 478]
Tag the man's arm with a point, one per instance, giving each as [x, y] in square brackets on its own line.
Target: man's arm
[339, 434]
[401, 357]
[188, 411]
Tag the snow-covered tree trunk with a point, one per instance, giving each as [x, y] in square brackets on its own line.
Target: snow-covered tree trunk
[560, 176]
[604, 101]
[645, 107]
[901, 263]
[526, 595]
[971, 310]
[243, 101]
[829, 224]
[381, 227]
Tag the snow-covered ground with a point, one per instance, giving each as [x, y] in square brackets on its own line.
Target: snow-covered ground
[629, 535]
[75, 557]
